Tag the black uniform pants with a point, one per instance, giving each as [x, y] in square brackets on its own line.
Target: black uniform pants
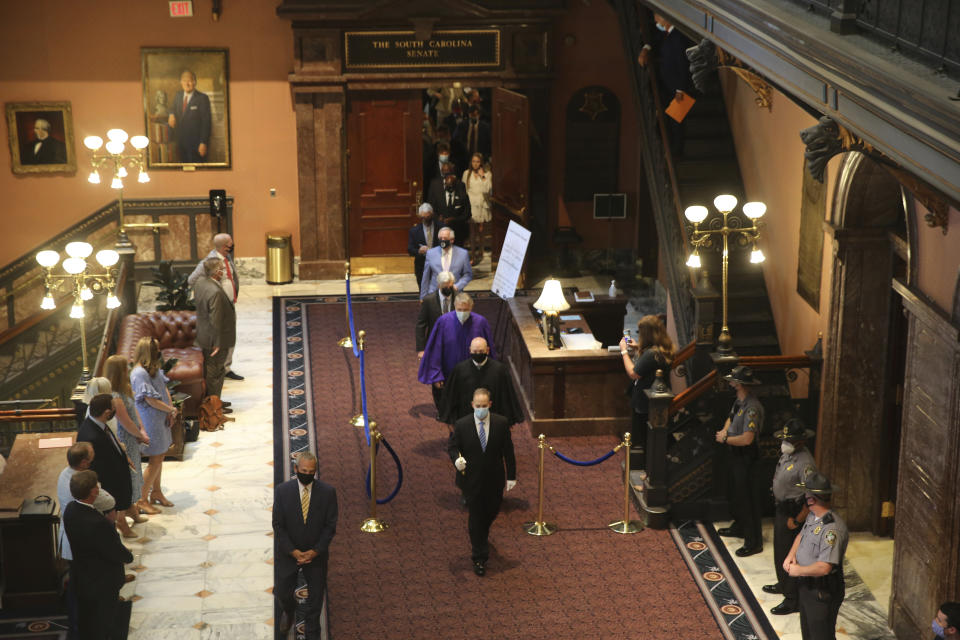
[783, 537]
[820, 600]
[315, 573]
[96, 615]
[483, 509]
[744, 498]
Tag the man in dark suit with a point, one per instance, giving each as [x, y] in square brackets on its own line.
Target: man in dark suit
[96, 572]
[109, 459]
[421, 237]
[304, 521]
[432, 307]
[189, 120]
[474, 134]
[479, 370]
[43, 149]
[451, 205]
[673, 73]
[479, 447]
[216, 324]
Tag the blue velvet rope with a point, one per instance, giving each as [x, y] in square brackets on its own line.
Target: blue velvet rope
[396, 489]
[581, 463]
[353, 333]
[363, 397]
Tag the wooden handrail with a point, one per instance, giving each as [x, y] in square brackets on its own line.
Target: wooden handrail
[113, 317]
[39, 415]
[693, 392]
[766, 363]
[684, 354]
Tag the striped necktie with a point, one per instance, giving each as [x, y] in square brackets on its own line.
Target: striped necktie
[483, 436]
[305, 502]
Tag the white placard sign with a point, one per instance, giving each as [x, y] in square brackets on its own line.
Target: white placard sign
[511, 260]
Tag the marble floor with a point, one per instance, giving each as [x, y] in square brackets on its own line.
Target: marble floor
[867, 573]
[204, 566]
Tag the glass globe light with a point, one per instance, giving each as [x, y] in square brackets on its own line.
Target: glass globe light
[48, 258]
[94, 177]
[79, 249]
[48, 303]
[725, 203]
[112, 301]
[754, 210]
[76, 311]
[122, 171]
[73, 266]
[116, 183]
[756, 256]
[694, 260]
[118, 135]
[115, 147]
[696, 213]
[107, 257]
[143, 177]
[85, 293]
[139, 142]
[93, 142]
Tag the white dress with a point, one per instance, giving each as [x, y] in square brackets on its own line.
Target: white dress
[478, 188]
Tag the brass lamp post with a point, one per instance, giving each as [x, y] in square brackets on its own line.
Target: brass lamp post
[702, 238]
[79, 280]
[551, 302]
[113, 163]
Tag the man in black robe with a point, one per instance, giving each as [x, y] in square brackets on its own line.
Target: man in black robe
[479, 371]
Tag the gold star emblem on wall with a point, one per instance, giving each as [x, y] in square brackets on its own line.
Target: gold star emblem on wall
[593, 104]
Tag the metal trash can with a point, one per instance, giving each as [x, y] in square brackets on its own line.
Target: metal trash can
[279, 257]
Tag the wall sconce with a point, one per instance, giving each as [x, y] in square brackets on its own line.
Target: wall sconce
[551, 302]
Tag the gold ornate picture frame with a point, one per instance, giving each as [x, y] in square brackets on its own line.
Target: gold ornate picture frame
[41, 137]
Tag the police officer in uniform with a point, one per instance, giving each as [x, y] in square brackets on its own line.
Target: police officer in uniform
[795, 466]
[740, 433]
[816, 558]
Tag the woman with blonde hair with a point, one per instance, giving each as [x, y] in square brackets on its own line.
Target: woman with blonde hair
[157, 413]
[478, 180]
[132, 435]
[641, 360]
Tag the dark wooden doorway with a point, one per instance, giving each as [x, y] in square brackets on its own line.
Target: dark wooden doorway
[511, 155]
[384, 166]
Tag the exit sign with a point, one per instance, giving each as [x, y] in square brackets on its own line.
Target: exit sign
[181, 8]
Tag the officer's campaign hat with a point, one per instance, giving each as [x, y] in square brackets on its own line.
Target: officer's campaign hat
[817, 484]
[794, 430]
[742, 375]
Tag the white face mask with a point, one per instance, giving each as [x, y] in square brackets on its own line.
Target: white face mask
[462, 316]
[787, 448]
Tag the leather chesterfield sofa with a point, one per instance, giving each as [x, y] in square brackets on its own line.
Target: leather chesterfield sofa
[175, 331]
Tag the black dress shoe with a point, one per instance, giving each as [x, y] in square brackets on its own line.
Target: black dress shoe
[233, 375]
[286, 621]
[226, 403]
[479, 568]
[745, 551]
[784, 608]
[730, 532]
[772, 588]
[227, 410]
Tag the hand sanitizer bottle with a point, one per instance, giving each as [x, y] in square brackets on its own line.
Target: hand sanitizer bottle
[612, 291]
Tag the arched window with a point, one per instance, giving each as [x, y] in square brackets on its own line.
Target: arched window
[593, 144]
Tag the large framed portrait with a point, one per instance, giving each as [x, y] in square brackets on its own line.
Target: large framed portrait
[41, 137]
[186, 107]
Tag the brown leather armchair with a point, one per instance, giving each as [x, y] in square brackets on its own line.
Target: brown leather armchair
[175, 331]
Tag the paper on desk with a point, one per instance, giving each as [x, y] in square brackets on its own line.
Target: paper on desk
[54, 443]
[572, 318]
[579, 341]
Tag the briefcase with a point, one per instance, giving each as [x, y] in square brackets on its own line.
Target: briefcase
[39, 507]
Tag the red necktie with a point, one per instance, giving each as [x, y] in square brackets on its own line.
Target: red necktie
[186, 99]
[226, 263]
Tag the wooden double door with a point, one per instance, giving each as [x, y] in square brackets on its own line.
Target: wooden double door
[385, 147]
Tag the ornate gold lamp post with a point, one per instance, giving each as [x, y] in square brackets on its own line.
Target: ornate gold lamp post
[113, 164]
[729, 225]
[79, 280]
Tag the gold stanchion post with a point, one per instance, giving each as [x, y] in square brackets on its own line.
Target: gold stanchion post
[626, 525]
[372, 524]
[347, 343]
[540, 528]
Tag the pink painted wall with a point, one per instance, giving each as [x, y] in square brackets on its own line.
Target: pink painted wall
[89, 54]
[771, 160]
[938, 259]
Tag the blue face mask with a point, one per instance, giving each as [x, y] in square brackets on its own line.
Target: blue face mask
[661, 27]
[481, 412]
[937, 629]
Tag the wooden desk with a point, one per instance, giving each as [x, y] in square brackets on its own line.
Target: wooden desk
[565, 393]
[28, 546]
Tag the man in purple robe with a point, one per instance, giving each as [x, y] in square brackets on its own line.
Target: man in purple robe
[449, 343]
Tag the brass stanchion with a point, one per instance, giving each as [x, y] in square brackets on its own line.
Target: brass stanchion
[540, 528]
[372, 524]
[347, 343]
[626, 525]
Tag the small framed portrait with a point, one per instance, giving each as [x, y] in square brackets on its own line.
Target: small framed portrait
[41, 137]
[186, 107]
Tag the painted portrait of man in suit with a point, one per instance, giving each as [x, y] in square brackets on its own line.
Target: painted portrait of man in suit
[41, 137]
